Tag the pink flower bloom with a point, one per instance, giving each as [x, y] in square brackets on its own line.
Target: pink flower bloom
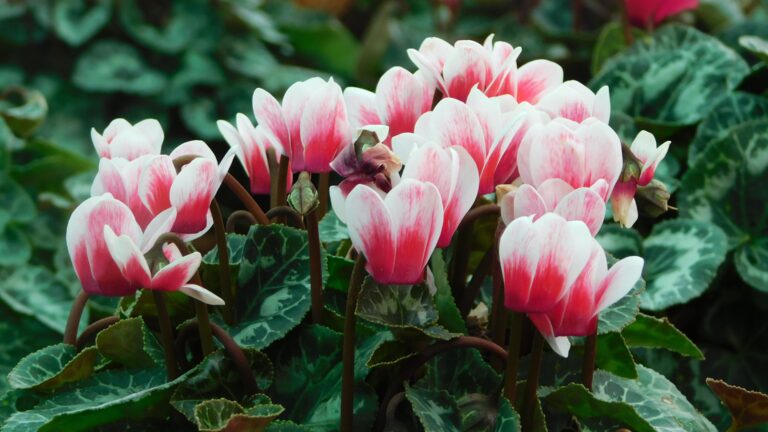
[123, 140]
[579, 154]
[644, 13]
[400, 98]
[540, 260]
[252, 145]
[311, 125]
[595, 289]
[623, 197]
[492, 67]
[555, 195]
[480, 126]
[574, 101]
[120, 177]
[398, 233]
[454, 174]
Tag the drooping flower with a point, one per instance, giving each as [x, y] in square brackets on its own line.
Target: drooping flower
[646, 13]
[366, 161]
[397, 233]
[480, 126]
[574, 101]
[555, 195]
[454, 174]
[579, 154]
[540, 260]
[400, 98]
[123, 140]
[595, 289]
[311, 125]
[252, 144]
[640, 163]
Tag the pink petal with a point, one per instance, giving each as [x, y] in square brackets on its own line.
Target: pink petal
[177, 273]
[526, 201]
[467, 66]
[201, 294]
[570, 100]
[338, 203]
[130, 144]
[619, 281]
[557, 153]
[269, 115]
[489, 115]
[361, 107]
[294, 103]
[325, 128]
[507, 169]
[76, 236]
[161, 224]
[674, 7]
[193, 148]
[466, 130]
[371, 231]
[128, 258]
[602, 153]
[404, 144]
[191, 195]
[535, 78]
[151, 129]
[623, 201]
[602, 106]
[171, 252]
[553, 190]
[417, 219]
[155, 183]
[584, 205]
[559, 344]
[109, 179]
[401, 97]
[575, 315]
[518, 255]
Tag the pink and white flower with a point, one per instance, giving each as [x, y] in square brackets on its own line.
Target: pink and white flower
[540, 260]
[579, 154]
[123, 140]
[555, 195]
[649, 155]
[400, 98]
[594, 289]
[397, 233]
[252, 144]
[574, 101]
[311, 125]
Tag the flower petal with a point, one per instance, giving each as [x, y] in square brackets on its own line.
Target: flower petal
[269, 115]
[191, 195]
[557, 153]
[401, 98]
[584, 205]
[325, 129]
[152, 129]
[466, 130]
[294, 103]
[132, 143]
[193, 148]
[155, 183]
[371, 231]
[619, 281]
[518, 256]
[109, 179]
[127, 257]
[602, 153]
[526, 201]
[559, 344]
[161, 224]
[535, 78]
[201, 294]
[622, 201]
[468, 65]
[177, 273]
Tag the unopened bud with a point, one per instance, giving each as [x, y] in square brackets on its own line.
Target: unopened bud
[303, 197]
[504, 189]
[631, 166]
[653, 199]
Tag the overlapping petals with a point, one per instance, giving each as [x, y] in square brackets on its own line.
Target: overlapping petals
[123, 140]
[574, 101]
[311, 125]
[644, 13]
[397, 233]
[595, 289]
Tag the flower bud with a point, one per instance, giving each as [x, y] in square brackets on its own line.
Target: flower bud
[631, 167]
[653, 199]
[303, 197]
[503, 189]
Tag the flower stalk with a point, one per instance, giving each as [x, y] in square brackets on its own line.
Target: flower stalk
[73, 321]
[282, 180]
[223, 252]
[245, 197]
[166, 334]
[513, 357]
[315, 266]
[323, 185]
[532, 383]
[590, 353]
[348, 349]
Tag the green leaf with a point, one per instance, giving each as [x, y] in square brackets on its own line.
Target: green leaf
[507, 420]
[436, 410]
[209, 268]
[339, 273]
[610, 42]
[331, 228]
[129, 343]
[614, 356]
[681, 259]
[620, 242]
[22, 335]
[15, 249]
[732, 110]
[390, 353]
[217, 376]
[274, 287]
[672, 77]
[52, 367]
[111, 66]
[23, 110]
[222, 415]
[460, 372]
[720, 188]
[448, 313]
[15, 203]
[652, 332]
[577, 400]
[168, 26]
[312, 395]
[286, 426]
[103, 398]
[756, 45]
[76, 21]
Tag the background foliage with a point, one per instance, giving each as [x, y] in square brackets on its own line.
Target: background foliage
[67, 66]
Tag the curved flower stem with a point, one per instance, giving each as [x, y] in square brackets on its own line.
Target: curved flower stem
[73, 321]
[478, 277]
[348, 349]
[463, 239]
[590, 352]
[499, 314]
[288, 214]
[532, 383]
[93, 329]
[273, 166]
[315, 266]
[238, 357]
[282, 180]
[223, 251]
[323, 185]
[513, 357]
[245, 197]
[236, 216]
[166, 334]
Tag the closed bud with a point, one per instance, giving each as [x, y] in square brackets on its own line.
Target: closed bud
[653, 199]
[303, 196]
[631, 167]
[504, 189]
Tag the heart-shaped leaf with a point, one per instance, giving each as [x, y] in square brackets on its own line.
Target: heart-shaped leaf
[129, 343]
[332, 229]
[110, 66]
[52, 367]
[15, 203]
[22, 336]
[448, 313]
[76, 21]
[651, 332]
[613, 355]
[168, 26]
[222, 415]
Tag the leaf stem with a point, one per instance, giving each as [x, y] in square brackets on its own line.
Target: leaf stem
[73, 321]
[166, 334]
[532, 383]
[223, 252]
[323, 185]
[590, 353]
[513, 357]
[348, 349]
[315, 266]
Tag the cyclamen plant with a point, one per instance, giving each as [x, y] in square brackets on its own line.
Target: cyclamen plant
[470, 134]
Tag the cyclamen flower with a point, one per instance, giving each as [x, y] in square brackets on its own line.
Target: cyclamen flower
[623, 198]
[645, 13]
[574, 101]
[540, 260]
[106, 246]
[480, 126]
[595, 289]
[555, 195]
[579, 154]
[400, 98]
[397, 233]
[252, 144]
[123, 140]
[492, 67]
[311, 125]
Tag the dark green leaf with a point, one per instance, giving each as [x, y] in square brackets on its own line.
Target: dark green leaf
[332, 228]
[435, 408]
[620, 242]
[209, 268]
[23, 110]
[448, 314]
[339, 273]
[76, 21]
[222, 415]
[756, 45]
[610, 42]
[507, 420]
[15, 203]
[15, 249]
[168, 26]
[614, 356]
[129, 343]
[52, 367]
[652, 332]
[111, 66]
[22, 335]
[390, 353]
